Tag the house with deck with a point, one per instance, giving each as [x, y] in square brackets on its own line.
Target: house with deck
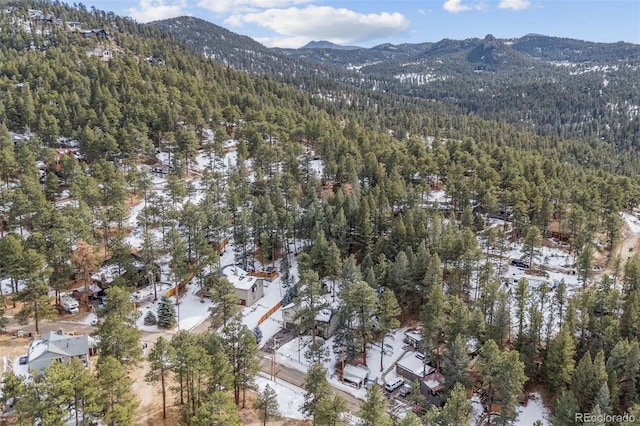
[103, 54]
[248, 289]
[326, 319]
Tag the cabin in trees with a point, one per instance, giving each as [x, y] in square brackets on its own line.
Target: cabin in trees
[554, 230]
[413, 338]
[57, 347]
[326, 319]
[104, 55]
[248, 289]
[432, 387]
[138, 275]
[413, 367]
[289, 312]
[74, 26]
[326, 323]
[98, 32]
[155, 60]
[39, 18]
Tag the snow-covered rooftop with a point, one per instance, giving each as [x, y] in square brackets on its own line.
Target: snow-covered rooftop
[60, 344]
[434, 381]
[324, 315]
[415, 365]
[355, 374]
[415, 335]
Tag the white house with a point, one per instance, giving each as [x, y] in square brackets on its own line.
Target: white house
[248, 289]
[104, 55]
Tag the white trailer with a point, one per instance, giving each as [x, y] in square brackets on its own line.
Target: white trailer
[69, 304]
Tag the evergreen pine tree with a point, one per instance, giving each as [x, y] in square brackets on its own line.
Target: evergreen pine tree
[166, 313]
[559, 364]
[502, 376]
[602, 400]
[267, 404]
[3, 320]
[329, 410]
[458, 410]
[150, 319]
[409, 420]
[218, 410]
[455, 364]
[119, 402]
[160, 359]
[373, 408]
[118, 334]
[388, 312]
[315, 386]
[583, 383]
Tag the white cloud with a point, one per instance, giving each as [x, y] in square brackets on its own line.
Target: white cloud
[514, 4]
[456, 6]
[153, 10]
[340, 26]
[236, 6]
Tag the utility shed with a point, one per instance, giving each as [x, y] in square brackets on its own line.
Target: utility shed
[355, 375]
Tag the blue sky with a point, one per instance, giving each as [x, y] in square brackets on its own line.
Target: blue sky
[293, 23]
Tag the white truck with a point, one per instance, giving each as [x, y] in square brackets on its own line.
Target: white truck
[69, 304]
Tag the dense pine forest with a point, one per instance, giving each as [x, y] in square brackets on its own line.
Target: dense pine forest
[367, 224]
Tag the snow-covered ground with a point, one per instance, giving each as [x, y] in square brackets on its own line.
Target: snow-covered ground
[290, 397]
[527, 415]
[533, 411]
[292, 355]
[632, 222]
[192, 312]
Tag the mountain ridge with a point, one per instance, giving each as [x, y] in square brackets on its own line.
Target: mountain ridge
[324, 44]
[527, 81]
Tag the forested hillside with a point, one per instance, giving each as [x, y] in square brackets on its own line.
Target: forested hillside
[544, 85]
[367, 221]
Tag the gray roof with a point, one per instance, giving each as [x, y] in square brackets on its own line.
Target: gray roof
[355, 374]
[60, 344]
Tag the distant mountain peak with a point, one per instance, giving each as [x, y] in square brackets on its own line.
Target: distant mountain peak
[324, 44]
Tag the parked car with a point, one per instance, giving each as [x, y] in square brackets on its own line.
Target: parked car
[519, 264]
[405, 390]
[370, 382]
[394, 384]
[24, 360]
